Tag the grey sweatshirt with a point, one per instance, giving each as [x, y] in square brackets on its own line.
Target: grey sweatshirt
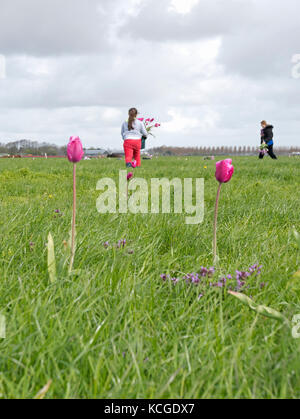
[137, 133]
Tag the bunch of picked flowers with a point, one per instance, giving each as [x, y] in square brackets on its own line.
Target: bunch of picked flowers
[150, 124]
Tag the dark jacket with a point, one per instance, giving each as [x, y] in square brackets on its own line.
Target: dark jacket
[267, 134]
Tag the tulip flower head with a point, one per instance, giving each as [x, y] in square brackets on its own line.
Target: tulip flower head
[129, 176]
[225, 171]
[75, 150]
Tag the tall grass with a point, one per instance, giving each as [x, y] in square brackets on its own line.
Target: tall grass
[115, 329]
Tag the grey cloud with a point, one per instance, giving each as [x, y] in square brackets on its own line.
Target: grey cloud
[71, 71]
[209, 18]
[264, 47]
[258, 37]
[39, 28]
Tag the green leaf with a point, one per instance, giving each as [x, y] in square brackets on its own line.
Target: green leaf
[297, 237]
[262, 310]
[51, 259]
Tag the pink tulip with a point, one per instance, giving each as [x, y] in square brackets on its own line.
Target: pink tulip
[141, 119]
[224, 171]
[157, 125]
[75, 154]
[129, 176]
[152, 120]
[75, 150]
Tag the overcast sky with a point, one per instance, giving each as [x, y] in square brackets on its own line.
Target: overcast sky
[208, 70]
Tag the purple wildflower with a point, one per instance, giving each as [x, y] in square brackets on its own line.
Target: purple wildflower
[106, 245]
[253, 268]
[242, 275]
[121, 243]
[259, 269]
[175, 280]
[203, 272]
[196, 279]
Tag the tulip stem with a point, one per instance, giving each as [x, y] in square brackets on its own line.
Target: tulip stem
[73, 220]
[216, 223]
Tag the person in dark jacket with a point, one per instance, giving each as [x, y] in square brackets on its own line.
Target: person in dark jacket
[267, 138]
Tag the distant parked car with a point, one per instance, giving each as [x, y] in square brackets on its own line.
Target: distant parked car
[116, 156]
[147, 156]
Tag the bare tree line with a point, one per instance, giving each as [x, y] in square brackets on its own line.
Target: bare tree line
[217, 151]
[27, 147]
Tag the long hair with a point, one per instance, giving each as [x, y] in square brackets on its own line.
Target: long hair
[132, 116]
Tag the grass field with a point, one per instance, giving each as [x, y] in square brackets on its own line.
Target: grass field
[116, 329]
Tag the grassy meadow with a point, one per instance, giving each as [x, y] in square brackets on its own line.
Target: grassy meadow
[115, 329]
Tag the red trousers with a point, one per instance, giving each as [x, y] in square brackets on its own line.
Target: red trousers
[132, 150]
